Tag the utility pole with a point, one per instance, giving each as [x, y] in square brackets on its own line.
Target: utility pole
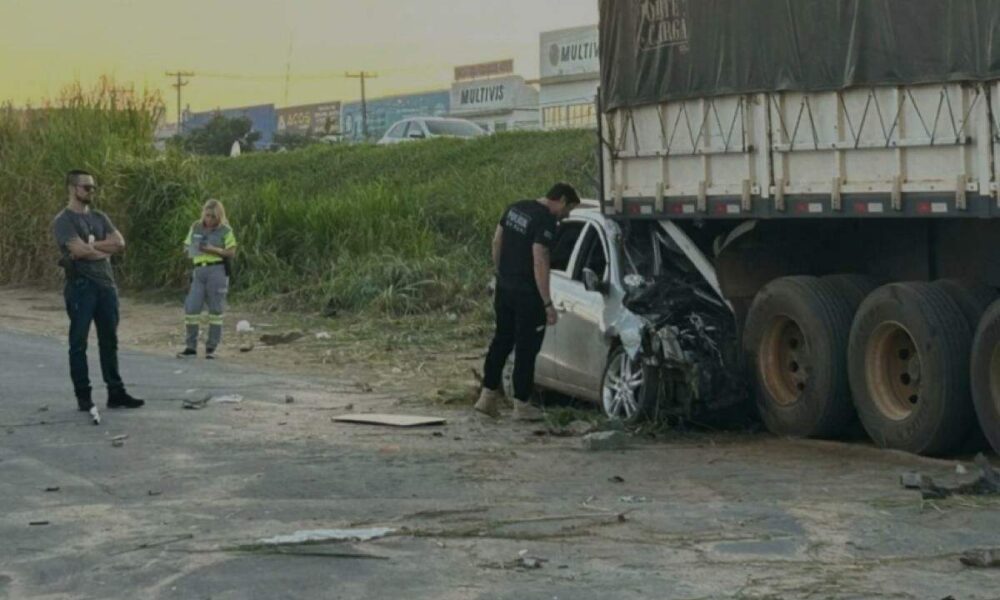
[177, 86]
[362, 75]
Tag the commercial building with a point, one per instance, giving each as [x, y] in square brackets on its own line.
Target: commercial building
[492, 96]
[570, 75]
[263, 117]
[383, 112]
[312, 120]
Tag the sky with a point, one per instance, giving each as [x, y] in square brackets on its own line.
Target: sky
[239, 49]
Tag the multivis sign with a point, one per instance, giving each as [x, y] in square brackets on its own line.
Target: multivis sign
[485, 94]
[569, 52]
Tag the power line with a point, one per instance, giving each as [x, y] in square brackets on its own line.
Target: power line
[178, 86]
[362, 75]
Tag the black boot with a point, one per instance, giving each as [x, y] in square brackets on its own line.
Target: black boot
[84, 402]
[121, 399]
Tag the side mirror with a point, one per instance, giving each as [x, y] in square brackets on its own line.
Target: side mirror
[593, 283]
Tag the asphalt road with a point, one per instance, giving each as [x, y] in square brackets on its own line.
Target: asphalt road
[179, 510]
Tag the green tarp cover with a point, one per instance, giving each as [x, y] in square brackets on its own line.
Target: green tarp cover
[658, 50]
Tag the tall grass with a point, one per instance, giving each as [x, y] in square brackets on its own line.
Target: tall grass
[99, 129]
[399, 229]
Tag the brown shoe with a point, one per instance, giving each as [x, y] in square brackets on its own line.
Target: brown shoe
[489, 403]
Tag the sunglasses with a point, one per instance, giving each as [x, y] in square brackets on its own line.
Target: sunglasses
[89, 188]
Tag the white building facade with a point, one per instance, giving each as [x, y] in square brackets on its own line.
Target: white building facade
[496, 104]
[570, 75]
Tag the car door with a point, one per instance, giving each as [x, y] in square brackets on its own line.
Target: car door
[581, 346]
[561, 259]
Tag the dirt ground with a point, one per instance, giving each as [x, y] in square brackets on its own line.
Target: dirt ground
[476, 508]
[428, 358]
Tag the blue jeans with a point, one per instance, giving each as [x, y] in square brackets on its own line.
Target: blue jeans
[87, 301]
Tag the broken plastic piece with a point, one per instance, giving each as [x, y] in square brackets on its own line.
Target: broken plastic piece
[328, 535]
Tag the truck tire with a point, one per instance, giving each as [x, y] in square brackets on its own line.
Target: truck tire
[973, 298]
[796, 345]
[908, 362]
[854, 287]
[985, 373]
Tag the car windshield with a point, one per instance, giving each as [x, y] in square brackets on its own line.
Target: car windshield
[649, 252]
[454, 128]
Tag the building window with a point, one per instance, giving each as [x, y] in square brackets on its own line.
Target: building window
[569, 116]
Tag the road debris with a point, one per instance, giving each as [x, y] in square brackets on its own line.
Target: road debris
[616, 479]
[274, 339]
[390, 420]
[33, 523]
[983, 559]
[633, 499]
[323, 335]
[95, 417]
[604, 440]
[314, 536]
[226, 399]
[192, 404]
[153, 493]
[289, 399]
[529, 562]
[987, 484]
[119, 440]
[54, 488]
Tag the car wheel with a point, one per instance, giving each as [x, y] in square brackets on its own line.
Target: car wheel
[629, 388]
[507, 378]
[986, 374]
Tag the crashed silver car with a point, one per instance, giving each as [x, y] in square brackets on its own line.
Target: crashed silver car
[643, 328]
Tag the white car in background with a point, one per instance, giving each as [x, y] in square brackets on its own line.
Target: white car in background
[422, 128]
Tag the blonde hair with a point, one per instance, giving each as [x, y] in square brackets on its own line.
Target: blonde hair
[215, 207]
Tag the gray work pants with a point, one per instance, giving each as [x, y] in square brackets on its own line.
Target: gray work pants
[209, 284]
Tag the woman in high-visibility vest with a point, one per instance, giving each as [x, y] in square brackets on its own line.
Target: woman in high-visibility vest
[210, 245]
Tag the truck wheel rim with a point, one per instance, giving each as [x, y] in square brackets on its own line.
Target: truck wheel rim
[785, 361]
[622, 385]
[995, 379]
[893, 371]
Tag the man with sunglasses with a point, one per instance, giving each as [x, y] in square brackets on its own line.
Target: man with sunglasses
[87, 239]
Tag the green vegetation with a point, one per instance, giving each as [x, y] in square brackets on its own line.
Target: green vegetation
[398, 229]
[217, 136]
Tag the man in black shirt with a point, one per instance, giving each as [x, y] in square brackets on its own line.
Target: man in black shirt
[87, 239]
[523, 306]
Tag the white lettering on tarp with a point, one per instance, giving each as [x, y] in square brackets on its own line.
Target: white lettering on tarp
[482, 95]
[662, 23]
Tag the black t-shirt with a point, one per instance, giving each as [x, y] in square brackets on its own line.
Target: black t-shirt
[525, 223]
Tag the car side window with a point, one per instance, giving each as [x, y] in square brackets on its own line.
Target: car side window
[397, 130]
[562, 248]
[592, 255]
[414, 128]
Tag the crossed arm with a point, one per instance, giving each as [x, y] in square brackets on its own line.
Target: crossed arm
[99, 250]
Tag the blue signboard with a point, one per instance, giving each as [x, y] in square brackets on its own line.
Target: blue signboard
[383, 112]
[263, 117]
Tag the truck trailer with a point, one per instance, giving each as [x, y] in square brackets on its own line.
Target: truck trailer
[837, 160]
